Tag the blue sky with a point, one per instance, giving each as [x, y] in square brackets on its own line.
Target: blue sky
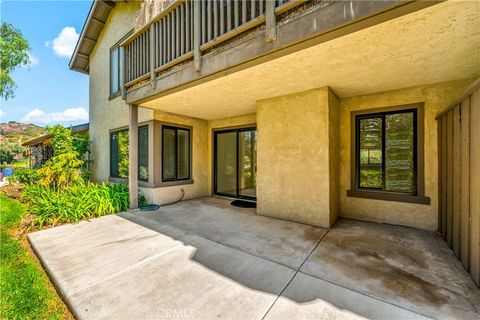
[48, 91]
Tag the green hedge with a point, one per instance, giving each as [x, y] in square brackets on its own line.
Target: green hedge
[75, 203]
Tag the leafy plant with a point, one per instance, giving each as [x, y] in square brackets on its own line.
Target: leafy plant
[8, 151]
[75, 203]
[65, 167]
[14, 53]
[81, 144]
[142, 201]
[24, 176]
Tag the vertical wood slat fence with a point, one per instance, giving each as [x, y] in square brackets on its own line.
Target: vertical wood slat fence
[188, 27]
[459, 179]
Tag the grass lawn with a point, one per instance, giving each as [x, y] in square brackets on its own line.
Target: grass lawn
[25, 290]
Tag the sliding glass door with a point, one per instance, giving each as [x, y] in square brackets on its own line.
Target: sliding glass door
[235, 163]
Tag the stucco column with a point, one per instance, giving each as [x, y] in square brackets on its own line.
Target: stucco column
[133, 156]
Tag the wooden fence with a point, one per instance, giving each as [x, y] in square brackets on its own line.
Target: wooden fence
[188, 27]
[459, 179]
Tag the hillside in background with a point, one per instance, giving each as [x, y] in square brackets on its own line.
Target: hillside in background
[12, 135]
[15, 132]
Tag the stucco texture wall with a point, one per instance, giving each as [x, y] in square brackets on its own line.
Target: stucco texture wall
[106, 114]
[200, 161]
[436, 98]
[293, 152]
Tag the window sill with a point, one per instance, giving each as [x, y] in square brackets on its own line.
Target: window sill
[387, 196]
[174, 183]
[114, 95]
[141, 183]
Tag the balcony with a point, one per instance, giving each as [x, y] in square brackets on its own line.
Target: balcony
[192, 41]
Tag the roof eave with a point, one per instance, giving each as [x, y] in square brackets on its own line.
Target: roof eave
[74, 64]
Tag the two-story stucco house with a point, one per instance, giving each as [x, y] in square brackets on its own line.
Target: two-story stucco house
[313, 109]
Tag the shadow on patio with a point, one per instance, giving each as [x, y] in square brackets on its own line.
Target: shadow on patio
[250, 266]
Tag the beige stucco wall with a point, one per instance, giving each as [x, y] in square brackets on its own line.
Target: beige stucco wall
[200, 161]
[293, 152]
[108, 114]
[436, 98]
[334, 153]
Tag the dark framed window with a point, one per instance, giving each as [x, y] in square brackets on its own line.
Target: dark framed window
[116, 67]
[119, 153]
[115, 70]
[386, 148]
[176, 162]
[387, 154]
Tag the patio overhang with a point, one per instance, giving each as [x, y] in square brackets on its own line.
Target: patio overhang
[436, 44]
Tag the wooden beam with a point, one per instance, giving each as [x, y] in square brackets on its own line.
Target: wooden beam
[152, 45]
[465, 184]
[110, 4]
[83, 55]
[475, 186]
[98, 21]
[90, 40]
[196, 36]
[271, 21]
[457, 209]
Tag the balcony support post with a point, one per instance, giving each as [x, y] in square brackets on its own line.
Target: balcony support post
[196, 35]
[152, 44]
[133, 156]
[270, 21]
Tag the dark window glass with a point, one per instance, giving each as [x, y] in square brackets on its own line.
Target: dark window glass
[399, 152]
[115, 70]
[143, 153]
[175, 154]
[386, 151]
[169, 154]
[371, 164]
[119, 153]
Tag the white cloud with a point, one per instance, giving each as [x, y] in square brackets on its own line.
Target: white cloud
[2, 114]
[64, 44]
[42, 117]
[33, 61]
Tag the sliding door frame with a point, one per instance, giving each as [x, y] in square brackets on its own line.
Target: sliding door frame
[237, 178]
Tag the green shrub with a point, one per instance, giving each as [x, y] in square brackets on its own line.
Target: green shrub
[64, 169]
[75, 203]
[24, 176]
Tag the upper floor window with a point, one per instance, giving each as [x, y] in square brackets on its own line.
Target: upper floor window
[387, 162]
[175, 153]
[115, 70]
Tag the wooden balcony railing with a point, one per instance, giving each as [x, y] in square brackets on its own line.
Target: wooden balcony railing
[187, 28]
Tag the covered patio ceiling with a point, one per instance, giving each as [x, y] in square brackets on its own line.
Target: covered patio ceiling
[437, 44]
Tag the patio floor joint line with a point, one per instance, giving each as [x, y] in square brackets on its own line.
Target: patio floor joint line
[294, 275]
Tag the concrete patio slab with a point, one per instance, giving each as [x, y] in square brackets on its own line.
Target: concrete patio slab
[204, 280]
[80, 255]
[404, 266]
[213, 218]
[204, 259]
[308, 297]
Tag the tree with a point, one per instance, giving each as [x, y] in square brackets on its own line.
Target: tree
[65, 167]
[13, 53]
[8, 151]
